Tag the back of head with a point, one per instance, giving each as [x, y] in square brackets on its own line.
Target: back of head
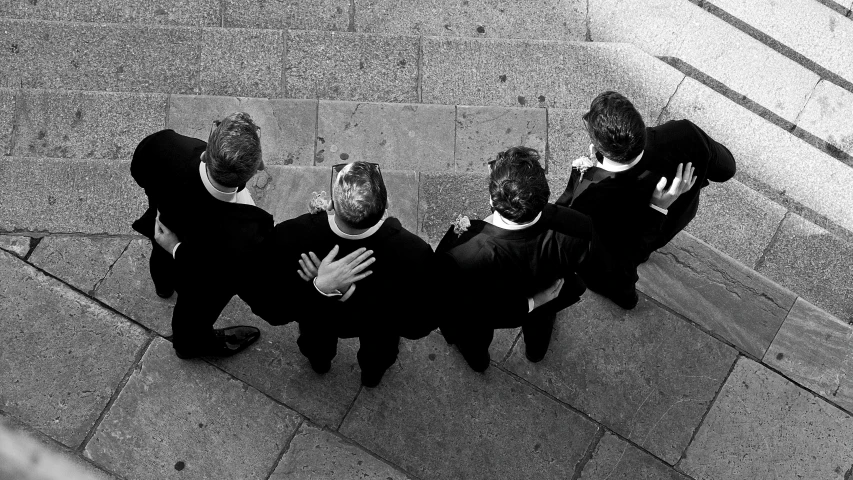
[517, 184]
[359, 195]
[616, 127]
[233, 153]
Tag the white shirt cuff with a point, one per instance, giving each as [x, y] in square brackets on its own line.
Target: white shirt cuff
[530, 304]
[336, 293]
[175, 249]
[661, 210]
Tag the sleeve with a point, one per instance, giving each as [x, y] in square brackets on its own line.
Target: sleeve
[721, 162]
[141, 164]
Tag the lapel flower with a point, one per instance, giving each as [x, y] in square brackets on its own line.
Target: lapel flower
[319, 202]
[583, 164]
[461, 224]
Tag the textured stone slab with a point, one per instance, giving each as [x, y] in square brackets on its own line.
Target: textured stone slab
[287, 126]
[63, 355]
[815, 349]
[432, 406]
[7, 106]
[675, 28]
[242, 62]
[349, 66]
[444, 196]
[166, 12]
[529, 19]
[85, 125]
[189, 417]
[16, 244]
[64, 195]
[814, 263]
[538, 73]
[282, 14]
[763, 426]
[316, 453]
[567, 140]
[617, 459]
[402, 187]
[482, 132]
[645, 374]
[736, 220]
[827, 115]
[416, 137]
[717, 293]
[769, 153]
[128, 289]
[100, 57]
[81, 262]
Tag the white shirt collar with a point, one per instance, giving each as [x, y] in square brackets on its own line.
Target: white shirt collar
[243, 196]
[615, 167]
[500, 222]
[337, 230]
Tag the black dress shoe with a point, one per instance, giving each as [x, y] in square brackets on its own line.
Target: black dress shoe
[478, 362]
[320, 366]
[165, 293]
[627, 300]
[225, 342]
[371, 379]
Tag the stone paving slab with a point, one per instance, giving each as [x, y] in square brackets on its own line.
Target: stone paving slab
[815, 349]
[645, 374]
[616, 459]
[316, 453]
[430, 406]
[716, 292]
[736, 220]
[65, 195]
[17, 244]
[63, 355]
[814, 263]
[99, 57]
[242, 62]
[350, 66]
[161, 12]
[7, 106]
[531, 73]
[529, 19]
[769, 153]
[81, 262]
[763, 426]
[287, 126]
[827, 115]
[396, 136]
[282, 14]
[444, 196]
[179, 419]
[85, 124]
[567, 139]
[483, 132]
[128, 289]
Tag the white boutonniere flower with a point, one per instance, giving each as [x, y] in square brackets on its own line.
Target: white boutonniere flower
[319, 202]
[583, 164]
[461, 224]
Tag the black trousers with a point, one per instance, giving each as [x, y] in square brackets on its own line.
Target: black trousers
[376, 353]
[474, 340]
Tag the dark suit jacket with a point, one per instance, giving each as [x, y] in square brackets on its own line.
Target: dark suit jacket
[487, 271]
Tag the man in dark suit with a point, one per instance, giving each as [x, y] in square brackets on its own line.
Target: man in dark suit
[632, 164]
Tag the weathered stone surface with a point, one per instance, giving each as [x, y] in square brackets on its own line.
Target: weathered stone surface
[536, 73]
[84, 124]
[444, 196]
[529, 19]
[177, 418]
[416, 137]
[815, 349]
[16, 244]
[617, 459]
[814, 263]
[502, 343]
[79, 261]
[7, 105]
[286, 191]
[827, 115]
[432, 406]
[717, 293]
[242, 62]
[68, 196]
[63, 355]
[287, 126]
[763, 426]
[99, 57]
[316, 453]
[350, 66]
[645, 374]
[482, 132]
[128, 289]
[166, 12]
[769, 153]
[402, 189]
[282, 14]
[736, 220]
[567, 140]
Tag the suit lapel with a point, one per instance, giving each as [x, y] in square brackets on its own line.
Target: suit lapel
[592, 176]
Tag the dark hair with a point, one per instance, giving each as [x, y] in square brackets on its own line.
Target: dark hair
[359, 195]
[616, 127]
[234, 150]
[517, 184]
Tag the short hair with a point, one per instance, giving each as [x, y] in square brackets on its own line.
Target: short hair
[616, 127]
[359, 195]
[517, 184]
[233, 153]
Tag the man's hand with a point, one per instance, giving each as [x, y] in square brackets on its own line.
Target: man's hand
[163, 236]
[308, 266]
[550, 293]
[664, 198]
[340, 274]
